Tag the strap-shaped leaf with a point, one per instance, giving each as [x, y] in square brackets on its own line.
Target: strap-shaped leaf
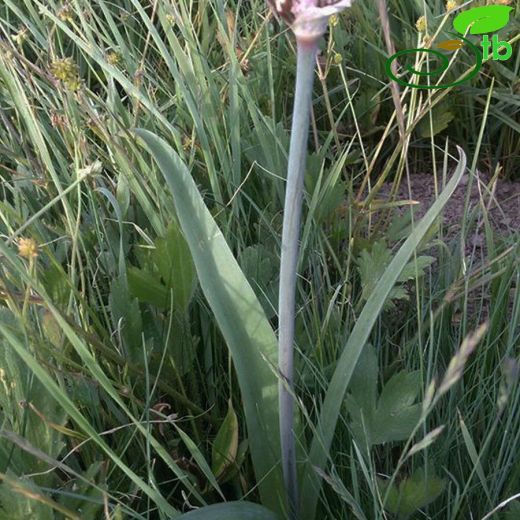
[249, 337]
[358, 338]
[231, 511]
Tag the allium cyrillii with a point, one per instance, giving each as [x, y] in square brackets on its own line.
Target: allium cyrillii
[308, 19]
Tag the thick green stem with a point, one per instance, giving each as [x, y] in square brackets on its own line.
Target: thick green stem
[306, 58]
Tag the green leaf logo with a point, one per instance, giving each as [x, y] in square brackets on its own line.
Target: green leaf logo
[486, 19]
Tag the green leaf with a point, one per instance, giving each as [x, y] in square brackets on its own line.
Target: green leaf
[173, 258]
[412, 493]
[17, 504]
[513, 511]
[416, 267]
[475, 458]
[268, 147]
[61, 399]
[394, 416]
[181, 344]
[123, 194]
[57, 284]
[249, 337]
[225, 447]
[19, 387]
[364, 379]
[358, 338]
[371, 265]
[52, 330]
[84, 496]
[258, 265]
[126, 317]
[440, 120]
[146, 287]
[399, 392]
[232, 471]
[485, 19]
[231, 511]
[199, 459]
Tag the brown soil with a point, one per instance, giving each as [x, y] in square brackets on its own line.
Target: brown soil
[500, 199]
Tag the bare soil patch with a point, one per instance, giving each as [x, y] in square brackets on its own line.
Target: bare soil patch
[499, 199]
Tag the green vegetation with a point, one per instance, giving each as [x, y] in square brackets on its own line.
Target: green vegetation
[143, 150]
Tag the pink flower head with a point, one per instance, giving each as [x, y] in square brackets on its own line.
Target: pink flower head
[307, 18]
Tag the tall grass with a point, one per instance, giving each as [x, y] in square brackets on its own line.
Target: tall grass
[138, 356]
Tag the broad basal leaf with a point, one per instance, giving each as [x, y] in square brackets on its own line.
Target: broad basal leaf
[173, 258]
[412, 493]
[391, 417]
[247, 333]
[231, 511]
[126, 318]
[225, 447]
[372, 263]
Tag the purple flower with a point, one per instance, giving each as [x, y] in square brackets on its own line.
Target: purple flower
[307, 18]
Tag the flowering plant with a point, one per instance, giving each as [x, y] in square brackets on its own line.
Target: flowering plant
[308, 20]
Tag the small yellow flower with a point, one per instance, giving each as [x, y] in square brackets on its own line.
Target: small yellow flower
[421, 24]
[334, 20]
[66, 71]
[27, 248]
[338, 58]
[451, 4]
